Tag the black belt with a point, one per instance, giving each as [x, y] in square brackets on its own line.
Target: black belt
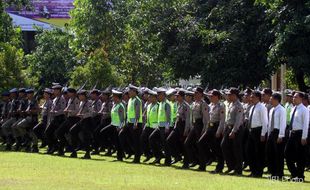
[256, 128]
[214, 124]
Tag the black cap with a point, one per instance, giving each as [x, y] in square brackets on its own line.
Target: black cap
[198, 89]
[29, 91]
[267, 91]
[233, 90]
[214, 92]
[180, 93]
[22, 90]
[71, 90]
[95, 91]
[5, 94]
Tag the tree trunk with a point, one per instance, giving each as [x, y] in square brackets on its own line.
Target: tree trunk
[300, 79]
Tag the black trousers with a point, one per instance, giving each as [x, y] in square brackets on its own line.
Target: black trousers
[295, 154]
[207, 142]
[64, 129]
[157, 141]
[109, 136]
[232, 149]
[130, 139]
[50, 130]
[100, 124]
[190, 143]
[175, 141]
[275, 154]
[145, 142]
[40, 128]
[86, 134]
[256, 151]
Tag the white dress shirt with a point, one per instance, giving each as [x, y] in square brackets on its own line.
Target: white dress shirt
[279, 121]
[259, 117]
[301, 119]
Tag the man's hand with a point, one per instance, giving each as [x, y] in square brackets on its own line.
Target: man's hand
[232, 135]
[262, 138]
[303, 142]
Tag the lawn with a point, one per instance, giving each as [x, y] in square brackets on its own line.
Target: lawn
[60, 22]
[20, 170]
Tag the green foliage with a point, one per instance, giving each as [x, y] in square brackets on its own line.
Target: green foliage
[96, 70]
[53, 59]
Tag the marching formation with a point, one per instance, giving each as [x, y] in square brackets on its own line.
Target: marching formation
[240, 129]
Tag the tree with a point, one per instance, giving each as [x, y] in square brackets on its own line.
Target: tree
[53, 59]
[291, 21]
[11, 54]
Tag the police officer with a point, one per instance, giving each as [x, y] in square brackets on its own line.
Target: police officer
[96, 118]
[4, 112]
[39, 129]
[71, 118]
[24, 127]
[181, 129]
[212, 135]
[200, 119]
[150, 125]
[12, 118]
[134, 121]
[232, 137]
[58, 116]
[111, 132]
[160, 133]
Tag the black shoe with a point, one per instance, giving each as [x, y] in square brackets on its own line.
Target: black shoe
[216, 171]
[185, 166]
[176, 160]
[73, 155]
[201, 168]
[108, 154]
[156, 161]
[136, 161]
[17, 147]
[86, 156]
[228, 171]
[60, 153]
[95, 152]
[147, 159]
[209, 162]
[194, 164]
[8, 147]
[167, 162]
[129, 156]
[43, 145]
[35, 149]
[28, 148]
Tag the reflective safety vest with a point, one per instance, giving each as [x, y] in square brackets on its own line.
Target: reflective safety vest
[115, 118]
[162, 117]
[152, 115]
[131, 112]
[174, 109]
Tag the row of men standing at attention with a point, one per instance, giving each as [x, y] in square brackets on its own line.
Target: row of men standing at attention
[165, 123]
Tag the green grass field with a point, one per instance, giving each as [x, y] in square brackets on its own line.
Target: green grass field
[60, 22]
[20, 170]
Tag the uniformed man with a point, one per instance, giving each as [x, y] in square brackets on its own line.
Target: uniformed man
[39, 129]
[71, 118]
[212, 135]
[150, 125]
[258, 122]
[58, 116]
[134, 121]
[173, 108]
[112, 131]
[233, 134]
[23, 128]
[160, 133]
[12, 118]
[181, 129]
[105, 112]
[275, 140]
[295, 150]
[96, 118]
[200, 119]
[80, 132]
[4, 112]
[266, 94]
